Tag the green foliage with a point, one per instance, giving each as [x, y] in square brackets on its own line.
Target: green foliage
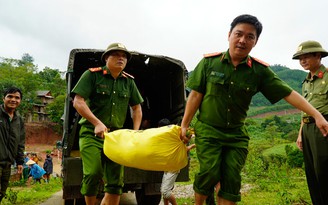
[56, 109]
[11, 195]
[26, 59]
[52, 80]
[294, 156]
[24, 75]
[37, 193]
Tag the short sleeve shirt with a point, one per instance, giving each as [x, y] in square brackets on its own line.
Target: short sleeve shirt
[315, 90]
[107, 98]
[228, 90]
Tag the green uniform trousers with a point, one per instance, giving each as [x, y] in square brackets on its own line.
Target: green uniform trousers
[315, 151]
[222, 155]
[97, 166]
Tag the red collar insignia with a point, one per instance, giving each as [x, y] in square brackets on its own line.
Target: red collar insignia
[249, 62]
[320, 74]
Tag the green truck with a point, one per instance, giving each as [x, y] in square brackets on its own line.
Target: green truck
[161, 81]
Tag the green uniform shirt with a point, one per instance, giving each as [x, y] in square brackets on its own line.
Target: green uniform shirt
[228, 90]
[107, 98]
[315, 90]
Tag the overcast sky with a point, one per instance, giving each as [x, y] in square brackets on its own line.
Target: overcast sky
[184, 29]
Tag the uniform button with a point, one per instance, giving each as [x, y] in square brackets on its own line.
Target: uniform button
[228, 123]
[114, 92]
[310, 93]
[231, 83]
[228, 110]
[113, 103]
[103, 93]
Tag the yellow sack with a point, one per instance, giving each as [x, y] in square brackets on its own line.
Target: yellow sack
[155, 149]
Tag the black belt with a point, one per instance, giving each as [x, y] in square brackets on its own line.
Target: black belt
[309, 119]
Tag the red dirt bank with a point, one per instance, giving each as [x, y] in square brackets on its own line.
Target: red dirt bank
[40, 138]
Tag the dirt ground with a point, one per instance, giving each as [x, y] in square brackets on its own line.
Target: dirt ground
[41, 138]
[278, 113]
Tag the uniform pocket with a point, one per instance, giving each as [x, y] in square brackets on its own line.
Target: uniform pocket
[102, 95]
[215, 85]
[320, 93]
[123, 98]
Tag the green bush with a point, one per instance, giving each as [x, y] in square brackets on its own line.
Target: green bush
[294, 156]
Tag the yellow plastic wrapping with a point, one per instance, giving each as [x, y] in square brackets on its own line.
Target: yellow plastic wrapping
[155, 149]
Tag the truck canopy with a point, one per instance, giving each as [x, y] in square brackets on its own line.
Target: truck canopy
[161, 82]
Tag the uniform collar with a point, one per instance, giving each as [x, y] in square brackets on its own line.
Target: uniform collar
[248, 60]
[318, 74]
[106, 71]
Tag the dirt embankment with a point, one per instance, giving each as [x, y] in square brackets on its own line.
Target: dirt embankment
[41, 133]
[40, 138]
[278, 113]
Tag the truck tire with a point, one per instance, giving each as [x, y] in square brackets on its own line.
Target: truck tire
[143, 199]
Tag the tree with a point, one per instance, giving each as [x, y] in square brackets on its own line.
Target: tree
[52, 80]
[27, 58]
[56, 109]
[23, 74]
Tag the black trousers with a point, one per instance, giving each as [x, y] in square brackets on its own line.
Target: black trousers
[5, 169]
[315, 151]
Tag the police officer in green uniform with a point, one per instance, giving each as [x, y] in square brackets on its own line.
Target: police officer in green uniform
[103, 96]
[310, 140]
[222, 88]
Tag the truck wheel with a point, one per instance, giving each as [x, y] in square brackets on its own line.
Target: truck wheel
[143, 199]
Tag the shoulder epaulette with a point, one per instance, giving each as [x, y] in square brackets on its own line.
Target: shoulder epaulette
[261, 62]
[95, 69]
[125, 74]
[212, 54]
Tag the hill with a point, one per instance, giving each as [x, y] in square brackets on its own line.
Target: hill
[293, 78]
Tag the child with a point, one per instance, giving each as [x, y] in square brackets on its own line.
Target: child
[170, 176]
[48, 167]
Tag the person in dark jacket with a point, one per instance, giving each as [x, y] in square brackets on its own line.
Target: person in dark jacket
[48, 167]
[12, 137]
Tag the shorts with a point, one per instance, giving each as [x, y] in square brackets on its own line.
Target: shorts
[168, 183]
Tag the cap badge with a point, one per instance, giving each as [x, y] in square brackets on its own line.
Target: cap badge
[120, 45]
[300, 48]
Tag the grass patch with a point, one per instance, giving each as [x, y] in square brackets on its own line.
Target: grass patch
[278, 149]
[19, 193]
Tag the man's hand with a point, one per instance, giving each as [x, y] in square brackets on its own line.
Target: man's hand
[299, 142]
[100, 129]
[19, 169]
[183, 135]
[322, 124]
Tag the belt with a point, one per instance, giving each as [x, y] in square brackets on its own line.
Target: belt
[309, 119]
